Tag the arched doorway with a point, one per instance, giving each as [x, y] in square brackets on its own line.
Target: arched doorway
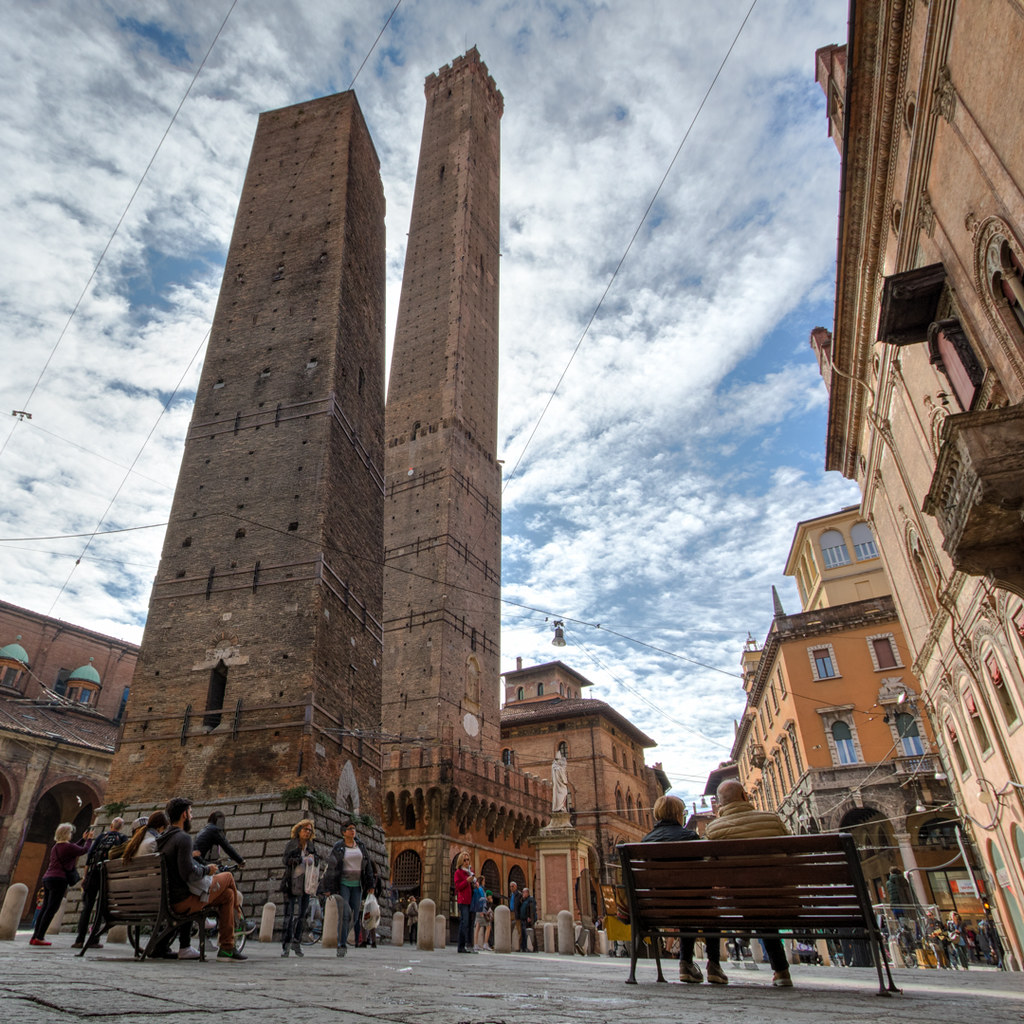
[68, 801]
[407, 874]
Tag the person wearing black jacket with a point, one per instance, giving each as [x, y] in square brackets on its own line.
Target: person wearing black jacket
[98, 853]
[668, 813]
[193, 886]
[527, 916]
[211, 840]
[350, 876]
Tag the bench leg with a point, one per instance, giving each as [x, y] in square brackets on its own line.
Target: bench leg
[631, 980]
[656, 945]
[881, 958]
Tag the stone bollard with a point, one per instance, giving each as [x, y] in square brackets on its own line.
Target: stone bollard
[425, 935]
[58, 918]
[602, 943]
[566, 933]
[440, 931]
[397, 928]
[329, 936]
[502, 930]
[13, 908]
[119, 933]
[267, 922]
[545, 940]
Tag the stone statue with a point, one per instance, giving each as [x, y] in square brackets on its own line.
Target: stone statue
[559, 783]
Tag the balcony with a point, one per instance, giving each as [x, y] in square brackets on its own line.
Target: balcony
[977, 494]
[919, 764]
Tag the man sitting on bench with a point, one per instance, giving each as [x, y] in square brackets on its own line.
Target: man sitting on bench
[668, 813]
[738, 819]
[194, 886]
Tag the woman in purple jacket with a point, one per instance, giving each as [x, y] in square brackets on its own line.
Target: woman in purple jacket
[63, 858]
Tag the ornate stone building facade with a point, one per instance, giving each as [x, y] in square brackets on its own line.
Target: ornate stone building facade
[611, 789]
[833, 736]
[925, 371]
[445, 788]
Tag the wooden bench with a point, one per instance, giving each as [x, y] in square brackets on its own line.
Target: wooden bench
[811, 887]
[135, 895]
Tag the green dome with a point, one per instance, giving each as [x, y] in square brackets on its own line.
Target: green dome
[85, 674]
[15, 652]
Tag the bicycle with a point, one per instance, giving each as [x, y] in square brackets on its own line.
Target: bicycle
[243, 926]
[313, 922]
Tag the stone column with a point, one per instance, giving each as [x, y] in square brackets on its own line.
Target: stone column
[910, 868]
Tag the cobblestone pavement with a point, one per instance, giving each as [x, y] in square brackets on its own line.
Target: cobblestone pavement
[392, 985]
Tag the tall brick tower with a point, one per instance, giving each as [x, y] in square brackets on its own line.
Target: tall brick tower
[445, 787]
[261, 656]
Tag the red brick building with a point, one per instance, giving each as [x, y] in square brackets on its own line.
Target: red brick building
[259, 670]
[62, 693]
[611, 789]
[445, 789]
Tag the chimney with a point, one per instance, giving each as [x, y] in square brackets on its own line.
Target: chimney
[519, 664]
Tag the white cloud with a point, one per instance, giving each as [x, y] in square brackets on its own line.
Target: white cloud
[660, 492]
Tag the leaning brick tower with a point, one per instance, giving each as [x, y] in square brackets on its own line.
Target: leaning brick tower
[259, 670]
[445, 786]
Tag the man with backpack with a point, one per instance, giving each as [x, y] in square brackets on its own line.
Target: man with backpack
[98, 853]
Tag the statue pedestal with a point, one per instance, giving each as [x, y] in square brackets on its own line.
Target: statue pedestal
[564, 855]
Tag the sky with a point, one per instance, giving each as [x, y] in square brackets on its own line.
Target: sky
[668, 242]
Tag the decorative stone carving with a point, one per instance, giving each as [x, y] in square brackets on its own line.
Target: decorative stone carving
[977, 494]
[945, 94]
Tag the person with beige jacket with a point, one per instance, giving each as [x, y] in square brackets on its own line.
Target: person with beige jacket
[739, 819]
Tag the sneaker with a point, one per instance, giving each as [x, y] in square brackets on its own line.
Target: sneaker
[341, 951]
[782, 980]
[690, 972]
[189, 953]
[297, 949]
[285, 950]
[716, 976]
[39, 942]
[77, 944]
[230, 954]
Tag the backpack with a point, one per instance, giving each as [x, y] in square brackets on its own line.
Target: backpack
[100, 849]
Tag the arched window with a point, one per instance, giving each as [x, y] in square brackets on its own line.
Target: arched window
[540, 689]
[999, 688]
[863, 542]
[910, 737]
[520, 693]
[954, 744]
[410, 817]
[406, 873]
[845, 748]
[977, 722]
[618, 800]
[215, 695]
[473, 679]
[563, 749]
[507, 757]
[516, 875]
[629, 805]
[922, 575]
[489, 873]
[833, 549]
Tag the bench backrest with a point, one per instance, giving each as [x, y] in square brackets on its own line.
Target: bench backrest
[133, 890]
[790, 882]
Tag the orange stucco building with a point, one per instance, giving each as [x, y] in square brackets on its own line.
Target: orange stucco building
[833, 736]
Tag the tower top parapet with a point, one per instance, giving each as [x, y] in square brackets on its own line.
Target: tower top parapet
[468, 63]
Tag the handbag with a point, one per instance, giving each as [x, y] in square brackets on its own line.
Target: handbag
[73, 877]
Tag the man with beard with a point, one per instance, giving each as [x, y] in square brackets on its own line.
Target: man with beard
[193, 886]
